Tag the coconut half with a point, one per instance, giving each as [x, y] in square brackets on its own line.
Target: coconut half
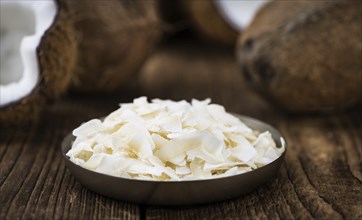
[218, 20]
[37, 53]
[22, 23]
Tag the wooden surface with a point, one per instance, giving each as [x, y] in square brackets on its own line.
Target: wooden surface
[321, 177]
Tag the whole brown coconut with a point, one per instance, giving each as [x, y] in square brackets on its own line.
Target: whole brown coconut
[305, 56]
[115, 37]
[55, 58]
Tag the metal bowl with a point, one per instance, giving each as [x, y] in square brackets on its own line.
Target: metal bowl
[188, 192]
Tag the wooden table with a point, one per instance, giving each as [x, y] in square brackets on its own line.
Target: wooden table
[320, 178]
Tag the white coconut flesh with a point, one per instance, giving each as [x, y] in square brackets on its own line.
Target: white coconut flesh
[239, 13]
[22, 25]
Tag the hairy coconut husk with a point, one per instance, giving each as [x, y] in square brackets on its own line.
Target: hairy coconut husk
[305, 56]
[56, 59]
[114, 39]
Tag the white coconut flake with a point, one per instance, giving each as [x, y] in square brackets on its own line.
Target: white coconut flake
[171, 141]
[183, 170]
[88, 129]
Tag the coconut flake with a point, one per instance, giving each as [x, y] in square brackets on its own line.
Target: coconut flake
[88, 129]
[171, 141]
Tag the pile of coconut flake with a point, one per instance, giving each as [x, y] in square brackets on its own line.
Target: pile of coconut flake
[166, 140]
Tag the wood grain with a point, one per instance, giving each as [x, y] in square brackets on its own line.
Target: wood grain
[34, 181]
[320, 179]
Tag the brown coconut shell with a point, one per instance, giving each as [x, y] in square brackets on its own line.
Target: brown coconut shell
[57, 54]
[114, 39]
[305, 56]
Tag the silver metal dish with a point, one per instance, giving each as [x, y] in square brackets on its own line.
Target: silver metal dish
[177, 192]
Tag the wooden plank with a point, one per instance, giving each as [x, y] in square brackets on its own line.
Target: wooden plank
[34, 181]
[323, 158]
[315, 181]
